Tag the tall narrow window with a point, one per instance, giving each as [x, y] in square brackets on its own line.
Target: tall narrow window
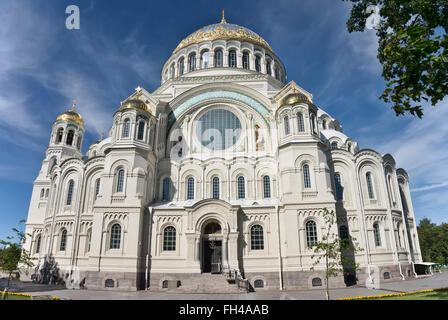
[115, 236]
[241, 188]
[338, 186]
[215, 192]
[399, 235]
[267, 187]
[46, 193]
[169, 239]
[277, 73]
[166, 189]
[89, 239]
[192, 62]
[257, 63]
[334, 145]
[63, 242]
[313, 123]
[59, 136]
[42, 193]
[324, 125]
[126, 127]
[38, 240]
[232, 59]
[369, 185]
[306, 176]
[141, 130]
[376, 234]
[97, 187]
[311, 233]
[205, 60]
[286, 123]
[71, 185]
[218, 58]
[256, 238]
[70, 136]
[181, 67]
[120, 180]
[300, 122]
[268, 68]
[190, 189]
[246, 60]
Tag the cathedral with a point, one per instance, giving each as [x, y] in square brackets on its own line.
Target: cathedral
[223, 171]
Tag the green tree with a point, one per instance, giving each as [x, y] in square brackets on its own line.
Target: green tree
[13, 256]
[337, 252]
[412, 48]
[433, 241]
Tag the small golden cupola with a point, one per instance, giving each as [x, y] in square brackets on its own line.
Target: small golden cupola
[71, 116]
[295, 97]
[135, 103]
[97, 142]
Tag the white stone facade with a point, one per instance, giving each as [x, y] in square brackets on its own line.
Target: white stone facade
[124, 222]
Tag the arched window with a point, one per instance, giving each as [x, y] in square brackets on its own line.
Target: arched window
[256, 238]
[313, 123]
[192, 62]
[369, 185]
[343, 232]
[324, 125]
[126, 127]
[46, 193]
[97, 187]
[38, 240]
[258, 284]
[286, 123]
[277, 73]
[63, 242]
[399, 234]
[241, 188]
[141, 130]
[338, 186]
[169, 239]
[257, 63]
[115, 236]
[218, 58]
[349, 148]
[376, 234]
[316, 282]
[334, 145]
[71, 185]
[205, 60]
[232, 58]
[311, 233]
[300, 123]
[386, 275]
[190, 189]
[266, 187]
[268, 68]
[246, 60]
[70, 136]
[181, 66]
[42, 193]
[166, 189]
[59, 135]
[89, 239]
[306, 176]
[215, 183]
[120, 180]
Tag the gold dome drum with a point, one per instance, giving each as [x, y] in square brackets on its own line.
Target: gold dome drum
[135, 104]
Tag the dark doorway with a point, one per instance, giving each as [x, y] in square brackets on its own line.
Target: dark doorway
[212, 256]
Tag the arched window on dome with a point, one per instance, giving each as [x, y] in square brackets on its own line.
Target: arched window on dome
[268, 68]
[300, 122]
[306, 176]
[215, 188]
[311, 233]
[120, 180]
[205, 60]
[181, 66]
[46, 193]
[334, 145]
[349, 148]
[190, 189]
[256, 237]
[338, 186]
[241, 187]
[277, 73]
[232, 58]
[370, 185]
[71, 185]
[266, 187]
[166, 189]
[70, 136]
[126, 127]
[324, 125]
[286, 124]
[192, 62]
[141, 130]
[246, 64]
[115, 237]
[313, 123]
[218, 58]
[59, 135]
[257, 63]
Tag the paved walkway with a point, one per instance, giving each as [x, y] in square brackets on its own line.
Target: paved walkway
[438, 280]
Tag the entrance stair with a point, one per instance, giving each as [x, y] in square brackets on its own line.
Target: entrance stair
[208, 283]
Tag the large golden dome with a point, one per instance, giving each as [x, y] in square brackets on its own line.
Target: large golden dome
[223, 31]
[135, 104]
[294, 98]
[72, 116]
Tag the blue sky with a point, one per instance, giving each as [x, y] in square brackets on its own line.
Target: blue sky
[123, 44]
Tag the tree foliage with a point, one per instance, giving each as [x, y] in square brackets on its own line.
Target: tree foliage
[337, 252]
[413, 43]
[433, 241]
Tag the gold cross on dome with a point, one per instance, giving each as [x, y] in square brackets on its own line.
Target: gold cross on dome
[102, 136]
[74, 105]
[223, 21]
[139, 91]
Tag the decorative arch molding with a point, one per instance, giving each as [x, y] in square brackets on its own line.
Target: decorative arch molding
[388, 160]
[220, 210]
[303, 159]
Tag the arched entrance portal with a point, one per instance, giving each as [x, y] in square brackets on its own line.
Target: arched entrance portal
[212, 239]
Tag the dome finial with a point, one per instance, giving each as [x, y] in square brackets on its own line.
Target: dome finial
[102, 136]
[139, 92]
[223, 21]
[74, 105]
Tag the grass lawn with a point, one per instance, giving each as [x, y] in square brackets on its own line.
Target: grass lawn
[15, 297]
[436, 295]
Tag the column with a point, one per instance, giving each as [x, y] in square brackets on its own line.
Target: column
[225, 254]
[198, 250]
